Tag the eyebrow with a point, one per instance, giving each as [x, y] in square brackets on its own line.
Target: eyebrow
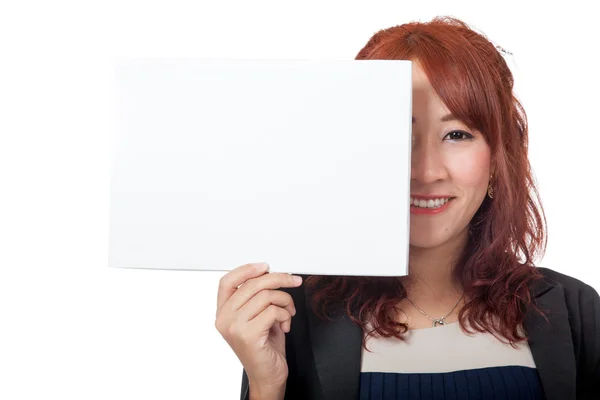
[445, 118]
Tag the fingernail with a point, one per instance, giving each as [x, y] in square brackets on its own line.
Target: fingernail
[262, 267]
[297, 279]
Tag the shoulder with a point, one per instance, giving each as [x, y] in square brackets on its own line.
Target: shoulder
[572, 287]
[580, 301]
[556, 277]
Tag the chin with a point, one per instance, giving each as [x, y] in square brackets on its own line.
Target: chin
[431, 238]
[427, 241]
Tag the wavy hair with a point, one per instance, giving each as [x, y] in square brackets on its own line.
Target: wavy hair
[507, 232]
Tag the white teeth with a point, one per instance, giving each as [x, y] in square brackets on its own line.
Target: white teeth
[432, 203]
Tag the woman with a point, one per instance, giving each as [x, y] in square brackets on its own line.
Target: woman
[474, 319]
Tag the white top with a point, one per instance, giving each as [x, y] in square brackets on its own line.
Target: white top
[444, 348]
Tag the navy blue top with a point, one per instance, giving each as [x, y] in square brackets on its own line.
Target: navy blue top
[493, 383]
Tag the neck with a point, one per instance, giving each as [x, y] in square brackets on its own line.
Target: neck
[431, 275]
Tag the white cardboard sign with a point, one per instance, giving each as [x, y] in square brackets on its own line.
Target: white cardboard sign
[304, 165]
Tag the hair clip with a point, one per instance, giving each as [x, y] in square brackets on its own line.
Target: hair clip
[508, 57]
[503, 50]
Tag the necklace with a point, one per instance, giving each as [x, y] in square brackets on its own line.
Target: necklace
[437, 321]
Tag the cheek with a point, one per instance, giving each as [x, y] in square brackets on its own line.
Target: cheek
[470, 167]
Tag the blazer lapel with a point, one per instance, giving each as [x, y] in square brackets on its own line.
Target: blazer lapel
[551, 343]
[336, 349]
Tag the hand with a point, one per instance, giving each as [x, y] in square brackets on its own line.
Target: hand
[253, 317]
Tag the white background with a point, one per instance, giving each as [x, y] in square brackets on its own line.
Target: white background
[72, 328]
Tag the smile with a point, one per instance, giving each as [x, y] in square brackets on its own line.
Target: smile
[430, 205]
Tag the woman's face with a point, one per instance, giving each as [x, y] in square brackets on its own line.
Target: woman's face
[449, 161]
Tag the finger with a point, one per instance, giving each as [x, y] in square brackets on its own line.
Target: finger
[262, 300]
[230, 282]
[286, 326]
[266, 319]
[273, 280]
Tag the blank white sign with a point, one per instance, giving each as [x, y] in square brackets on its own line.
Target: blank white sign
[304, 165]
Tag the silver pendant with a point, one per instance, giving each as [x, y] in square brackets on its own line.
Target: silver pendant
[439, 321]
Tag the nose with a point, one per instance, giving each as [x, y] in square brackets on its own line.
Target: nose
[426, 162]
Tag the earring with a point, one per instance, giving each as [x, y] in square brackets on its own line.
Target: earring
[490, 189]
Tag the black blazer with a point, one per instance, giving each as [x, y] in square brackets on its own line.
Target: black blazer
[324, 357]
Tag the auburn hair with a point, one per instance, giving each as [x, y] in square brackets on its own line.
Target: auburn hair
[496, 267]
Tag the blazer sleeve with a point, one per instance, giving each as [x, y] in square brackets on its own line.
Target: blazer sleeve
[245, 394]
[589, 349]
